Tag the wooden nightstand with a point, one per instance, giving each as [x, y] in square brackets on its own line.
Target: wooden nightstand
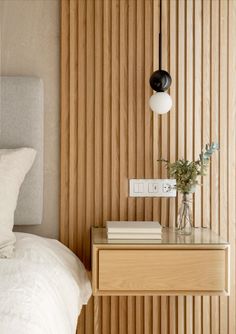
[176, 265]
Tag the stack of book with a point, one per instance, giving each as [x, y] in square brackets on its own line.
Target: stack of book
[133, 230]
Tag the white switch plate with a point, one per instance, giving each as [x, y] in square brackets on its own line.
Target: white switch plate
[152, 188]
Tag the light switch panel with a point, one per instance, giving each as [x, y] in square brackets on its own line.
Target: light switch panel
[152, 188]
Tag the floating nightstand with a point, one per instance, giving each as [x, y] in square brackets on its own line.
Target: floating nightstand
[176, 265]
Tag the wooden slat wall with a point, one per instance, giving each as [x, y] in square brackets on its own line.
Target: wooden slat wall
[108, 135]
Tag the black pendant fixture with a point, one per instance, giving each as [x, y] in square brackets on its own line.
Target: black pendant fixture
[160, 81]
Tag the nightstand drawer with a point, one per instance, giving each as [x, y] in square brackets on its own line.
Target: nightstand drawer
[162, 270]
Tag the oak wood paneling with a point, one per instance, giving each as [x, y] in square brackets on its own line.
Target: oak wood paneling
[109, 48]
[167, 270]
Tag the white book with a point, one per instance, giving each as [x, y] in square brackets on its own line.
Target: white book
[143, 236]
[133, 227]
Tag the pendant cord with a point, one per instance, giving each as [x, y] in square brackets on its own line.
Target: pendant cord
[160, 38]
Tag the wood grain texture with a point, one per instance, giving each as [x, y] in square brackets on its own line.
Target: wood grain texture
[108, 134]
[164, 270]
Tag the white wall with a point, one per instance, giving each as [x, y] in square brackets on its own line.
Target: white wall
[29, 45]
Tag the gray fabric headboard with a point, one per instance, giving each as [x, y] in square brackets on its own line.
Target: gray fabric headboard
[21, 125]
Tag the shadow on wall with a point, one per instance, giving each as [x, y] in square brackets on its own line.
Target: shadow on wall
[30, 46]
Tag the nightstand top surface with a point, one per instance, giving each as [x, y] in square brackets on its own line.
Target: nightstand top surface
[199, 236]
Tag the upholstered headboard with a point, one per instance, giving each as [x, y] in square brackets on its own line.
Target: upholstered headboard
[21, 125]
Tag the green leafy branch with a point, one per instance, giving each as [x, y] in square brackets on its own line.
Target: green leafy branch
[187, 172]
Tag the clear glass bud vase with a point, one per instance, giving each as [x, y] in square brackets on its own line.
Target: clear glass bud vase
[184, 220]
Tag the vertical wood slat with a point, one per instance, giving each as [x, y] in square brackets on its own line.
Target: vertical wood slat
[115, 106]
[156, 119]
[206, 65]
[106, 92]
[189, 123]
[65, 100]
[131, 136]
[223, 105]
[73, 126]
[89, 148]
[181, 120]
[98, 111]
[115, 138]
[232, 155]
[123, 136]
[214, 134]
[165, 118]
[140, 157]
[164, 137]
[173, 94]
[197, 83]
[140, 135]
[132, 103]
[197, 75]
[112, 324]
[172, 136]
[90, 126]
[148, 135]
[81, 185]
[109, 49]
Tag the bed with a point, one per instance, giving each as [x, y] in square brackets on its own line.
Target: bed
[43, 285]
[42, 288]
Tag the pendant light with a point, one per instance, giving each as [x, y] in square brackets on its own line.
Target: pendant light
[160, 81]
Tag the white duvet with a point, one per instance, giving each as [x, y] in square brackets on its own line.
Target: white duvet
[42, 289]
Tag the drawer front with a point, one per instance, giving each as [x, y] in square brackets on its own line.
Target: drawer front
[162, 270]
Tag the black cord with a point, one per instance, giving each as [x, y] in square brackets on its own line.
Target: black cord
[160, 38]
[160, 80]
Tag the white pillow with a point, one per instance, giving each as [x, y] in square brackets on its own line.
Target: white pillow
[14, 165]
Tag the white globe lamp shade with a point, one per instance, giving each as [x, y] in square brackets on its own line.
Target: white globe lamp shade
[160, 102]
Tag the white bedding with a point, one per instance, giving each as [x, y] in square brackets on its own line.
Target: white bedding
[42, 288]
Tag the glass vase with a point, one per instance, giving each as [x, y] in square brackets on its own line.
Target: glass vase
[184, 220]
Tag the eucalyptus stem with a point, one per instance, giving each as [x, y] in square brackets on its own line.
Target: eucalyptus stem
[187, 172]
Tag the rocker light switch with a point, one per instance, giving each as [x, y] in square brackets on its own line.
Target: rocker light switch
[152, 188]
